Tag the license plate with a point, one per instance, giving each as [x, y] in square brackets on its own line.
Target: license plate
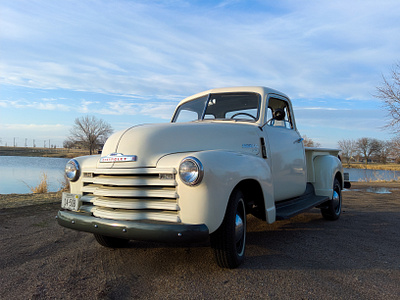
[71, 201]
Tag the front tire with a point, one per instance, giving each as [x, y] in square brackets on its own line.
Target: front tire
[333, 208]
[229, 240]
[110, 242]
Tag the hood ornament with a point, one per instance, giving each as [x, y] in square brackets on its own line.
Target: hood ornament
[117, 157]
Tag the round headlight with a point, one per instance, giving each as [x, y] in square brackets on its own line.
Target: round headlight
[72, 170]
[191, 171]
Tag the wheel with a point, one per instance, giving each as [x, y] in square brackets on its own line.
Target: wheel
[229, 240]
[110, 242]
[245, 114]
[334, 206]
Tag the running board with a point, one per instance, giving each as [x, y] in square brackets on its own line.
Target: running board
[289, 208]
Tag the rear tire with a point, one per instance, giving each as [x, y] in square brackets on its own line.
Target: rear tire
[229, 240]
[333, 208]
[110, 242]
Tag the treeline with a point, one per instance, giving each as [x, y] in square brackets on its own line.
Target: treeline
[370, 150]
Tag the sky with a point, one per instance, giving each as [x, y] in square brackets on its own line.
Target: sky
[130, 62]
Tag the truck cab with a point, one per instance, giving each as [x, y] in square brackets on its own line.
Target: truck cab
[226, 153]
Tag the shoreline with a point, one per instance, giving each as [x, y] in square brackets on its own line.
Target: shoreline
[41, 152]
[21, 200]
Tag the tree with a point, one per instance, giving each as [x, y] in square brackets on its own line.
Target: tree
[349, 149]
[385, 148]
[89, 133]
[389, 93]
[368, 147]
[394, 151]
[309, 142]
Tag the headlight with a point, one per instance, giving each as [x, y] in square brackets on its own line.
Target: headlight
[191, 171]
[72, 170]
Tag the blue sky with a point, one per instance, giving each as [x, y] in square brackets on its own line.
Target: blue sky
[131, 62]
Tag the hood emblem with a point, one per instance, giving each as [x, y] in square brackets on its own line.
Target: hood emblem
[117, 157]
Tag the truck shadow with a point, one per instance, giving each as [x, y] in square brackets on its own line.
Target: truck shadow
[358, 240]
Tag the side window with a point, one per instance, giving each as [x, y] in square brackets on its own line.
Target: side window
[278, 114]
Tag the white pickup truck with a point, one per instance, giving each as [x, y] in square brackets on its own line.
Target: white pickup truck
[227, 153]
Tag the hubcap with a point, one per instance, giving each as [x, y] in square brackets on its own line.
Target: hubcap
[239, 228]
[336, 201]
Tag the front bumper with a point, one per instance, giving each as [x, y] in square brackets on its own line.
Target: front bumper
[155, 231]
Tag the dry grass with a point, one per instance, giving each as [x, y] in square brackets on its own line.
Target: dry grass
[373, 166]
[42, 187]
[64, 185]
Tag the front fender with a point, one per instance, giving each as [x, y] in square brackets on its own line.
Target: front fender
[206, 203]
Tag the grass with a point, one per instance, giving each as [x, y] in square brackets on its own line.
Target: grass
[374, 166]
[42, 187]
[41, 152]
[64, 185]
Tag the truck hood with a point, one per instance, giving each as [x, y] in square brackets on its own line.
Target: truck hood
[152, 141]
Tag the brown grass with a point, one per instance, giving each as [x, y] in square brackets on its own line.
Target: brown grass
[64, 185]
[42, 187]
[374, 166]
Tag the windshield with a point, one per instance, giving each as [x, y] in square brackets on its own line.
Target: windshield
[225, 106]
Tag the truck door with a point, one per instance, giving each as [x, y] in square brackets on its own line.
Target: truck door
[286, 150]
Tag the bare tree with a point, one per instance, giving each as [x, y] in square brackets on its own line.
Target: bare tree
[389, 93]
[394, 151]
[349, 149]
[89, 132]
[368, 147]
[385, 148]
[308, 142]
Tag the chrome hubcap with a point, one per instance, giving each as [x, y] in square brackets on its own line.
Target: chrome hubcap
[336, 201]
[239, 228]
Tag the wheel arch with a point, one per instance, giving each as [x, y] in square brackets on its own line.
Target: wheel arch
[253, 196]
[326, 169]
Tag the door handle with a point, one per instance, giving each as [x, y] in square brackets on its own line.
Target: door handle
[298, 140]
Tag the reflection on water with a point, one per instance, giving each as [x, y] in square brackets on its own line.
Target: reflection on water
[16, 172]
[372, 175]
[376, 190]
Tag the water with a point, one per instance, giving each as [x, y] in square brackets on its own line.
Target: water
[372, 175]
[16, 172]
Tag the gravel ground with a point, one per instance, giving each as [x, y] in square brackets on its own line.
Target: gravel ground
[356, 257]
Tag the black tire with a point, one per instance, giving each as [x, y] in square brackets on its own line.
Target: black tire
[229, 240]
[333, 208]
[110, 242]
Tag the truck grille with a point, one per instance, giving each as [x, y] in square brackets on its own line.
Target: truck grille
[131, 194]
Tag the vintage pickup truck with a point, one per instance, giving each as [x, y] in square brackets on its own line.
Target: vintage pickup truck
[226, 153]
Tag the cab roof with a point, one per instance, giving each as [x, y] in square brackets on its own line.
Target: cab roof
[252, 89]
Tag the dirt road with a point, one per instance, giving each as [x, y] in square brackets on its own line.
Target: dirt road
[356, 257]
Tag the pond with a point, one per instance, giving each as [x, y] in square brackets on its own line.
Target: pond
[18, 173]
[372, 175]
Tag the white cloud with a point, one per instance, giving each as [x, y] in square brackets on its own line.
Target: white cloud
[34, 127]
[313, 50]
[43, 104]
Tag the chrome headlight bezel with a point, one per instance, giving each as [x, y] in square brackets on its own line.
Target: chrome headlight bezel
[191, 171]
[72, 170]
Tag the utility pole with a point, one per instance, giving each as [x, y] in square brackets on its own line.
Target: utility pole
[26, 142]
